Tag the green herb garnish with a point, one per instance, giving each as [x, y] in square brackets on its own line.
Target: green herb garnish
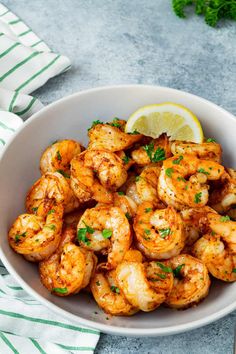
[147, 232]
[60, 290]
[18, 236]
[51, 227]
[147, 210]
[234, 270]
[114, 289]
[137, 178]
[59, 158]
[178, 160]
[135, 132]
[81, 234]
[212, 10]
[128, 216]
[225, 218]
[121, 193]
[95, 122]
[162, 276]
[63, 173]
[197, 198]
[52, 211]
[181, 179]
[164, 268]
[98, 283]
[34, 209]
[125, 159]
[211, 140]
[154, 156]
[169, 172]
[106, 233]
[177, 270]
[115, 123]
[201, 170]
[164, 232]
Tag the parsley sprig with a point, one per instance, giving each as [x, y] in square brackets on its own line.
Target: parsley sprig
[82, 232]
[155, 155]
[213, 10]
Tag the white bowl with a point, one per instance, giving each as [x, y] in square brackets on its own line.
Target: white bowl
[69, 118]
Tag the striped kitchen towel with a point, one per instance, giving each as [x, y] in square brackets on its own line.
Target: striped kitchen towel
[26, 63]
[26, 326]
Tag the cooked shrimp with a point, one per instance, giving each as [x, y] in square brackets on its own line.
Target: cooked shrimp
[160, 233]
[127, 161]
[133, 255]
[206, 151]
[139, 291]
[109, 296]
[191, 283]
[69, 269]
[107, 137]
[183, 181]
[218, 249]
[160, 277]
[53, 187]
[195, 223]
[146, 185]
[34, 237]
[105, 228]
[157, 150]
[57, 157]
[94, 174]
[223, 196]
[127, 205]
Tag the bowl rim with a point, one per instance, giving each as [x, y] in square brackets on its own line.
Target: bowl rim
[109, 328]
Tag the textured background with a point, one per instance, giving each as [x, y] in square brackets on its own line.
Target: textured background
[140, 41]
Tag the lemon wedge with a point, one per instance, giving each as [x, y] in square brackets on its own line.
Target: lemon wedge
[177, 121]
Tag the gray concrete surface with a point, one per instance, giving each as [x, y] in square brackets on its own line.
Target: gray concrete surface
[140, 41]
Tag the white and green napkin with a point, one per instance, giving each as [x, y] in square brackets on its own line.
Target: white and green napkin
[26, 326]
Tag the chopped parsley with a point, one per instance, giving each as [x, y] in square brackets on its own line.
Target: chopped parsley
[164, 268]
[51, 227]
[147, 210]
[18, 236]
[177, 270]
[115, 123]
[211, 140]
[181, 179]
[98, 283]
[34, 209]
[154, 156]
[95, 122]
[178, 160]
[52, 211]
[169, 172]
[162, 276]
[81, 234]
[106, 233]
[137, 178]
[164, 232]
[135, 132]
[201, 170]
[114, 289]
[60, 290]
[125, 159]
[63, 173]
[234, 270]
[121, 193]
[59, 158]
[147, 232]
[128, 216]
[225, 218]
[197, 198]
